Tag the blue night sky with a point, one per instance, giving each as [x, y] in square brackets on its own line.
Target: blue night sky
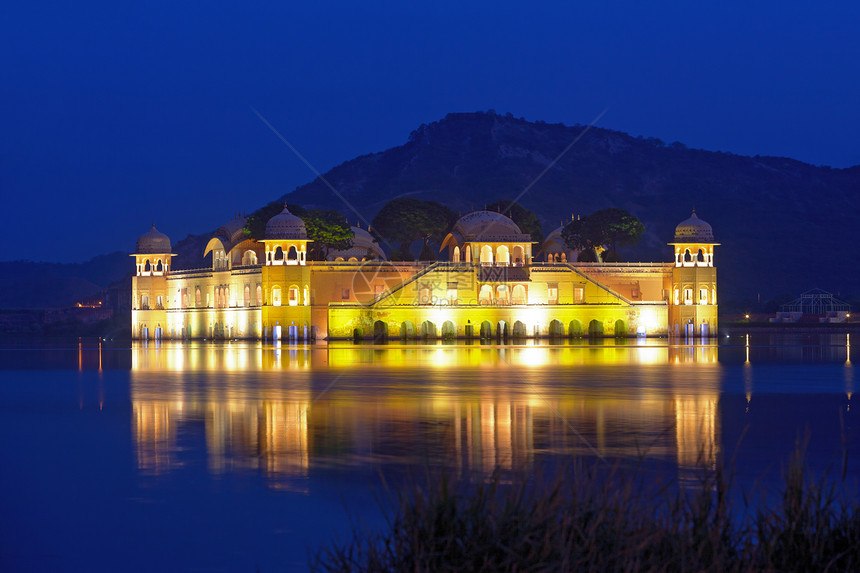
[118, 114]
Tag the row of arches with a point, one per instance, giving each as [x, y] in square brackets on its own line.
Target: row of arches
[701, 258]
[277, 256]
[502, 294]
[501, 255]
[294, 296]
[147, 267]
[502, 330]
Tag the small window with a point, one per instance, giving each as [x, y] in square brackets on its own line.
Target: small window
[344, 294]
[703, 296]
[688, 296]
[451, 294]
[425, 293]
[578, 295]
[552, 293]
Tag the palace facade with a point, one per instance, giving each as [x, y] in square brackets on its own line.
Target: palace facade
[496, 284]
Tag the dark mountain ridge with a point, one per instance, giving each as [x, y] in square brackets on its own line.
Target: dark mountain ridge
[784, 226]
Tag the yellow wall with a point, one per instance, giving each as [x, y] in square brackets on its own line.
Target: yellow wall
[343, 297]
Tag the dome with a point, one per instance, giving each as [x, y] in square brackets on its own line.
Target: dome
[363, 246]
[694, 230]
[488, 226]
[285, 225]
[362, 238]
[233, 231]
[153, 242]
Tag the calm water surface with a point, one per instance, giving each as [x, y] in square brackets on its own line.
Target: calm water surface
[240, 456]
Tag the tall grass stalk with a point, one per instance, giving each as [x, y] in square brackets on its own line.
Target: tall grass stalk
[594, 519]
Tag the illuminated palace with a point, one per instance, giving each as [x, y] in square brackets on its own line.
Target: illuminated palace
[496, 284]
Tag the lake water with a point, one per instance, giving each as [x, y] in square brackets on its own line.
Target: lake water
[240, 456]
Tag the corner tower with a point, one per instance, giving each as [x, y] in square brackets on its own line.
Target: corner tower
[286, 279]
[693, 301]
[152, 258]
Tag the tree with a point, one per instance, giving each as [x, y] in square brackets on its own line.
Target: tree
[328, 230]
[407, 219]
[620, 228]
[525, 219]
[608, 228]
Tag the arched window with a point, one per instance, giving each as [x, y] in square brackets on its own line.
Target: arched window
[276, 296]
[159, 267]
[519, 330]
[407, 329]
[486, 329]
[456, 257]
[197, 296]
[292, 254]
[486, 294]
[486, 254]
[468, 251]
[688, 295]
[428, 329]
[146, 266]
[294, 296]
[701, 256]
[278, 257]
[249, 258]
[380, 331]
[502, 255]
[502, 294]
[306, 296]
[519, 255]
[518, 295]
[259, 298]
[688, 258]
[247, 295]
[564, 257]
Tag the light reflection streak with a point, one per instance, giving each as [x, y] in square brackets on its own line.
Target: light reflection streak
[255, 405]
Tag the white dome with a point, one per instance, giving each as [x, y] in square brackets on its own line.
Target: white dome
[488, 226]
[694, 230]
[285, 225]
[153, 242]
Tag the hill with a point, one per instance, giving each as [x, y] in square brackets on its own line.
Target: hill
[28, 284]
[785, 226]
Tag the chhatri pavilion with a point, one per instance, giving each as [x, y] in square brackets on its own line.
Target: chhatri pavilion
[496, 285]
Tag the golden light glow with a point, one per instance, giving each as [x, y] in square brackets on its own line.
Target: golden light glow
[267, 422]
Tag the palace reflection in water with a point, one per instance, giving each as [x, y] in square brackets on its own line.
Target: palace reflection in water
[283, 411]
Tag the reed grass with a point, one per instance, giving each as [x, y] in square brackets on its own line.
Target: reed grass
[599, 519]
